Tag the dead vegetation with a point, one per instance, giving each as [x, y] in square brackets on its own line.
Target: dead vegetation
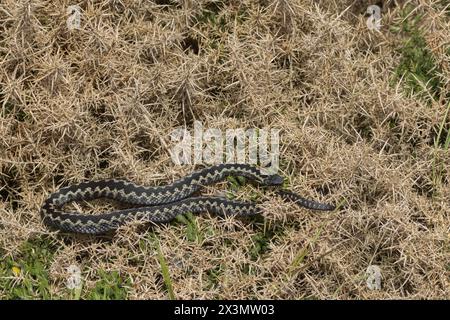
[100, 102]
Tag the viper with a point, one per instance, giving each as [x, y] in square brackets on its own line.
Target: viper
[161, 204]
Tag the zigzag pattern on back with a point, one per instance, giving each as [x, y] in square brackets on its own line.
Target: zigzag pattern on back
[159, 204]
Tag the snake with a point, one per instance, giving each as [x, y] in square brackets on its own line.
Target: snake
[161, 204]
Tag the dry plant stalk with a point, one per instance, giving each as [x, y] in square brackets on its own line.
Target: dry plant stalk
[100, 101]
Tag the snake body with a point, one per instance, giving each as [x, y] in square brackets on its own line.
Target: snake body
[162, 203]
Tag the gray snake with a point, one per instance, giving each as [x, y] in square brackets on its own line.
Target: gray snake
[162, 203]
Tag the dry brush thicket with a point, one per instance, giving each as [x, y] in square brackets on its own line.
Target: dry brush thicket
[101, 101]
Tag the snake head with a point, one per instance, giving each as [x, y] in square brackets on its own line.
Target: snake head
[273, 180]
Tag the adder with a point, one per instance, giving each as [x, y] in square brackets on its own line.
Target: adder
[161, 204]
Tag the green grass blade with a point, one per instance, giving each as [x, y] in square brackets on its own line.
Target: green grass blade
[165, 272]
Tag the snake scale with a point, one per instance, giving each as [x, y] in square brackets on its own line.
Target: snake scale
[162, 203]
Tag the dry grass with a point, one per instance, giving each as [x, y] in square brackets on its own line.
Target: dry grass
[99, 102]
